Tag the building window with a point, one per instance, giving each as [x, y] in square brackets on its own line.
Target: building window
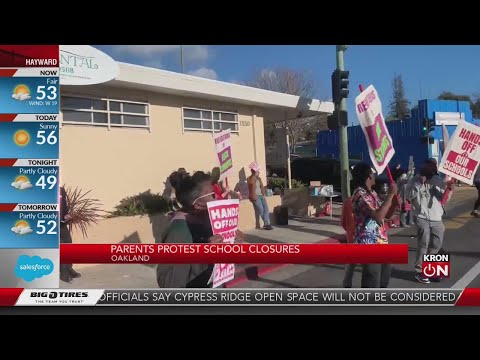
[209, 120]
[105, 112]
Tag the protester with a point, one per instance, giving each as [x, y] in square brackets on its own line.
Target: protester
[66, 270]
[406, 206]
[256, 194]
[369, 214]
[476, 182]
[348, 223]
[178, 175]
[426, 192]
[191, 224]
[220, 191]
[397, 171]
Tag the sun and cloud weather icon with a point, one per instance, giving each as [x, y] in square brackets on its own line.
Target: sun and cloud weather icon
[22, 228]
[21, 93]
[22, 183]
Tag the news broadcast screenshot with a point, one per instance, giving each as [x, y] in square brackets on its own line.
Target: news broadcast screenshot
[166, 176]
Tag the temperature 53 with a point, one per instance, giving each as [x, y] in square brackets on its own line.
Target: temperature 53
[49, 227]
[46, 182]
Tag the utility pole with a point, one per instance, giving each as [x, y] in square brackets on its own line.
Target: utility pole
[343, 135]
[181, 59]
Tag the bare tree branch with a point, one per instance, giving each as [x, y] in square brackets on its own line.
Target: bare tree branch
[294, 83]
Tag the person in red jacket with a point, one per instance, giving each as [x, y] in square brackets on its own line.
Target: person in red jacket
[220, 191]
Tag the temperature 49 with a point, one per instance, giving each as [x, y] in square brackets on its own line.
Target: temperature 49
[46, 182]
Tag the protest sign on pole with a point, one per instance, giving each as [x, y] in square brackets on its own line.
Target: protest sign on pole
[462, 154]
[370, 117]
[224, 221]
[411, 164]
[223, 149]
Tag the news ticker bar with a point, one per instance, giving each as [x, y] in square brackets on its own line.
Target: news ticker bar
[233, 253]
[240, 297]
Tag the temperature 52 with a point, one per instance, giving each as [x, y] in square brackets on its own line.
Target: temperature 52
[46, 182]
[47, 227]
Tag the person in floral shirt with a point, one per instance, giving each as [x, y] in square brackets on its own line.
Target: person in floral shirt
[369, 213]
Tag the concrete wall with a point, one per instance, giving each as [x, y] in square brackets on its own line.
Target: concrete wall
[145, 229]
[300, 204]
[121, 162]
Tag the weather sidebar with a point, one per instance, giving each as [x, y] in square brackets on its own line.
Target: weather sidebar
[29, 166]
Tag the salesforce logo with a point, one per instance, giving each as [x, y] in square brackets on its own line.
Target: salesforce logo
[34, 267]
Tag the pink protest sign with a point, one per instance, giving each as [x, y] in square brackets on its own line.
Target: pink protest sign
[462, 155]
[223, 148]
[224, 221]
[370, 117]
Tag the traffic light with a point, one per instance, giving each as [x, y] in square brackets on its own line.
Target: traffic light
[340, 85]
[338, 118]
[428, 127]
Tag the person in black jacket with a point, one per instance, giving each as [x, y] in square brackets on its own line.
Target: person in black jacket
[66, 270]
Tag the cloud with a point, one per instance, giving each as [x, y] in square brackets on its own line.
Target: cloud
[26, 230]
[154, 63]
[192, 54]
[22, 185]
[196, 53]
[22, 230]
[26, 185]
[205, 73]
[21, 96]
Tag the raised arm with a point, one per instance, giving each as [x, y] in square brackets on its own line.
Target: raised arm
[413, 187]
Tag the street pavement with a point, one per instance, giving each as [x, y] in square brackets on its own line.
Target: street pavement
[462, 240]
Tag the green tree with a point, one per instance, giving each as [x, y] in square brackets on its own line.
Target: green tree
[473, 100]
[399, 106]
[476, 108]
[448, 95]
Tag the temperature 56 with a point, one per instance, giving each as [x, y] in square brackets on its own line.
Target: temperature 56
[46, 181]
[43, 137]
[49, 227]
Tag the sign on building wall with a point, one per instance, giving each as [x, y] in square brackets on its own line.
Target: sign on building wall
[85, 65]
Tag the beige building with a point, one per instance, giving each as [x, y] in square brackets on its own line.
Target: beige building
[126, 136]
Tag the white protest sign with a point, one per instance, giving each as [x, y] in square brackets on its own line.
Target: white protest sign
[462, 155]
[370, 117]
[224, 221]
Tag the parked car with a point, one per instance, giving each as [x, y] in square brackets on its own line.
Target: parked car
[328, 172]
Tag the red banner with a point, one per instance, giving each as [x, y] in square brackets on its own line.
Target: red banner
[233, 254]
[469, 297]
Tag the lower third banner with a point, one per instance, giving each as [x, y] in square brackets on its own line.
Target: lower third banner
[240, 297]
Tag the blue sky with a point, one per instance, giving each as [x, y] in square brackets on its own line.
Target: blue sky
[427, 70]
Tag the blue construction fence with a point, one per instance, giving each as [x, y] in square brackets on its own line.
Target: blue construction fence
[406, 134]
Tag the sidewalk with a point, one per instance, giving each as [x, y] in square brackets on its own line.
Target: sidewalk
[298, 231]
